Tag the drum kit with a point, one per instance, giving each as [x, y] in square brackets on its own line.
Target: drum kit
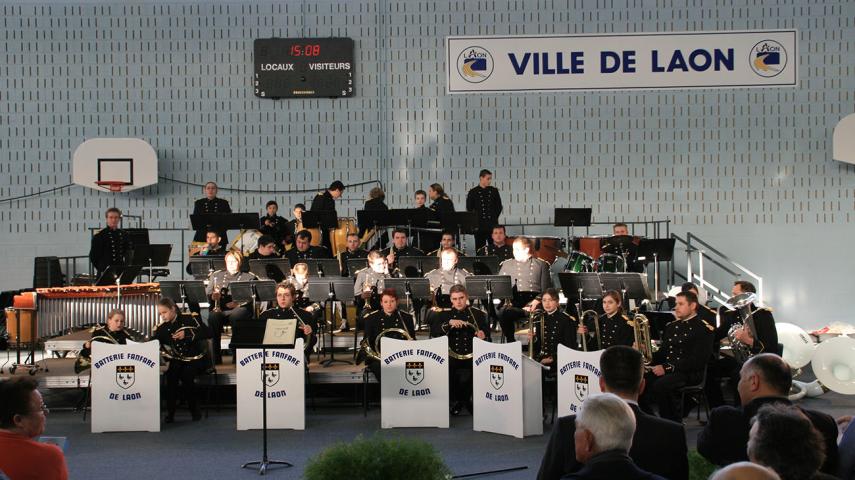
[608, 256]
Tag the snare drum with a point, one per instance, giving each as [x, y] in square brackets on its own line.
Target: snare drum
[610, 263]
[579, 262]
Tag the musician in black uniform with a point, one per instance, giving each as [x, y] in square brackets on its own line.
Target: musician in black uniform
[615, 326]
[112, 245]
[442, 211]
[388, 316]
[682, 356]
[441, 280]
[369, 282]
[325, 201]
[420, 198]
[530, 276]
[485, 200]
[300, 280]
[211, 204]
[555, 327]
[304, 250]
[286, 309]
[399, 248]
[460, 323]
[266, 249]
[111, 332]
[294, 225]
[352, 250]
[706, 313]
[498, 247]
[446, 242]
[184, 337]
[230, 312]
[272, 224]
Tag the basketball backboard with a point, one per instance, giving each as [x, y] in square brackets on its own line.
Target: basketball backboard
[106, 163]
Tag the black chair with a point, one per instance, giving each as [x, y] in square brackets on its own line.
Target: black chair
[697, 394]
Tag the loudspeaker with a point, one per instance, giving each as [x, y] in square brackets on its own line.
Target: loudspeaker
[46, 272]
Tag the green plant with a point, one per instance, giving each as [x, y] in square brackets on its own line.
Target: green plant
[377, 457]
[699, 467]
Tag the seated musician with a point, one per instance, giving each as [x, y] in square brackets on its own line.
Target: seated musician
[300, 280]
[369, 281]
[446, 242]
[184, 337]
[615, 328]
[113, 332]
[212, 247]
[556, 328]
[112, 245]
[266, 249]
[352, 250]
[378, 321]
[460, 323]
[272, 224]
[629, 251]
[498, 247]
[286, 309]
[530, 277]
[293, 226]
[765, 341]
[399, 248]
[304, 250]
[223, 310]
[442, 279]
[681, 359]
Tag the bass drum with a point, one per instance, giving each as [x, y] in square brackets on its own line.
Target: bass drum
[545, 248]
[246, 242]
[339, 239]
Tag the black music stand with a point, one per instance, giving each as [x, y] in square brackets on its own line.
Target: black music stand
[486, 265]
[354, 265]
[417, 266]
[368, 219]
[202, 266]
[328, 290]
[251, 335]
[409, 288]
[276, 269]
[585, 285]
[151, 256]
[323, 219]
[631, 285]
[656, 250]
[572, 218]
[137, 236]
[223, 222]
[253, 291]
[184, 292]
[466, 223]
[119, 275]
[488, 287]
[323, 267]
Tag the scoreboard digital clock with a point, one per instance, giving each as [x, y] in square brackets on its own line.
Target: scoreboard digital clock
[303, 67]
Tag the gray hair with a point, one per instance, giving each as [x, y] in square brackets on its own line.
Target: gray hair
[610, 421]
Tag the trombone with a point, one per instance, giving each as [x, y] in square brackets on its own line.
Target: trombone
[581, 338]
[641, 334]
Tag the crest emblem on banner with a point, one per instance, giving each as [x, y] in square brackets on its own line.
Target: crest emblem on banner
[125, 376]
[415, 372]
[497, 376]
[580, 384]
[270, 373]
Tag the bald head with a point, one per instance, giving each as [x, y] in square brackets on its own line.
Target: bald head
[745, 471]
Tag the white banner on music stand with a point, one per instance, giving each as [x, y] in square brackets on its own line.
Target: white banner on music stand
[506, 390]
[414, 383]
[578, 378]
[284, 372]
[125, 387]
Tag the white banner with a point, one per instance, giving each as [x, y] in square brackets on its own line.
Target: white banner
[506, 393]
[284, 373]
[414, 383]
[125, 387]
[578, 378]
[761, 58]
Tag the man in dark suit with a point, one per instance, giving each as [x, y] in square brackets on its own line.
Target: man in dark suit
[622, 370]
[304, 250]
[764, 379]
[325, 202]
[211, 204]
[604, 430]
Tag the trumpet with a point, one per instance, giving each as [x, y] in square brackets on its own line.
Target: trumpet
[531, 316]
[641, 332]
[219, 294]
[581, 339]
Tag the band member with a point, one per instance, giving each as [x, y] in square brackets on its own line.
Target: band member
[112, 245]
[293, 226]
[446, 276]
[498, 247]
[325, 201]
[212, 247]
[286, 309]
[486, 201]
[376, 203]
[420, 198]
[615, 327]
[388, 316]
[555, 327]
[443, 211]
[300, 280]
[112, 332]
[266, 249]
[399, 248]
[184, 337]
[211, 204]
[304, 250]
[628, 251]
[272, 224]
[352, 250]
[530, 276]
[460, 323]
[445, 243]
[224, 310]
[370, 281]
[681, 359]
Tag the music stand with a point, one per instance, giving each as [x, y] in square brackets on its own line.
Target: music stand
[409, 288]
[323, 219]
[354, 265]
[572, 218]
[585, 285]
[137, 236]
[466, 223]
[251, 335]
[417, 266]
[276, 269]
[631, 285]
[203, 265]
[327, 290]
[323, 267]
[661, 250]
[119, 275]
[184, 292]
[151, 256]
[253, 291]
[486, 265]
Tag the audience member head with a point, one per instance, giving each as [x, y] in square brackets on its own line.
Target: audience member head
[622, 370]
[764, 375]
[745, 471]
[22, 409]
[784, 439]
[604, 422]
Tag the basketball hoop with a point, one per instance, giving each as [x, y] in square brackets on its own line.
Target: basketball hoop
[111, 185]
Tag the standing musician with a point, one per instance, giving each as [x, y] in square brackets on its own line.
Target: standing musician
[266, 249]
[681, 359]
[293, 226]
[615, 327]
[300, 280]
[446, 242]
[375, 203]
[325, 201]
[399, 248]
[352, 250]
[530, 276]
[272, 224]
[223, 309]
[388, 316]
[286, 309]
[443, 210]
[370, 281]
[629, 252]
[485, 200]
[460, 323]
[211, 204]
[554, 328]
[498, 247]
[184, 337]
[110, 246]
[304, 250]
